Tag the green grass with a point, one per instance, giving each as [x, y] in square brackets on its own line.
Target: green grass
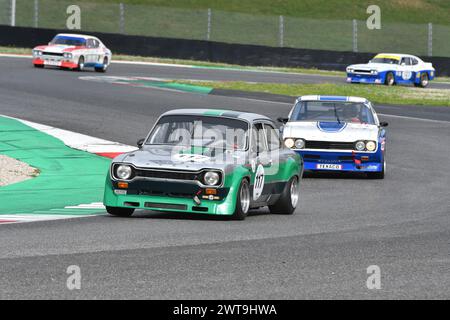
[375, 93]
[313, 24]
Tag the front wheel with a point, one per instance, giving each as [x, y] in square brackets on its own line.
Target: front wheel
[378, 175]
[242, 201]
[423, 80]
[38, 66]
[288, 200]
[120, 212]
[80, 66]
[390, 79]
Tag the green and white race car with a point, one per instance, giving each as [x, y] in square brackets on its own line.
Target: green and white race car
[216, 162]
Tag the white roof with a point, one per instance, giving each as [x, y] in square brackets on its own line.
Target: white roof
[332, 98]
[76, 35]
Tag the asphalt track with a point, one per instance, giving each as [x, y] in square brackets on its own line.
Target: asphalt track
[342, 226]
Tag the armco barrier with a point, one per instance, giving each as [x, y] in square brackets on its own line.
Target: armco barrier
[250, 55]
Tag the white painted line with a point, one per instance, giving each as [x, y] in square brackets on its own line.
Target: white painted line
[414, 118]
[95, 205]
[79, 141]
[8, 55]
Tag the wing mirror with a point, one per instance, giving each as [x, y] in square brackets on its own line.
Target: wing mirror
[384, 124]
[140, 143]
[282, 120]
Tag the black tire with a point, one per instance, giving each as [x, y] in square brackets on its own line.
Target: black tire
[119, 212]
[378, 175]
[240, 213]
[80, 66]
[284, 204]
[104, 67]
[390, 79]
[40, 66]
[423, 80]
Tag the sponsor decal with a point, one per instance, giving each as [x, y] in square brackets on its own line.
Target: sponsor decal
[188, 157]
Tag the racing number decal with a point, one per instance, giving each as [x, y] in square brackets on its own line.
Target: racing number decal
[406, 75]
[258, 186]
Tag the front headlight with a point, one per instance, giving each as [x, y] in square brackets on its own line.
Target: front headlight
[375, 72]
[37, 53]
[350, 70]
[67, 55]
[289, 143]
[123, 172]
[360, 145]
[371, 145]
[299, 143]
[211, 178]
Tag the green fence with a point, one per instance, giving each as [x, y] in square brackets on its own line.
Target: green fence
[231, 27]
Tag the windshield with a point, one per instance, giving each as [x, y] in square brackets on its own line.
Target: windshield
[202, 131]
[340, 111]
[385, 60]
[68, 41]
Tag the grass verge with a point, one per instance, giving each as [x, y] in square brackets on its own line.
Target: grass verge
[375, 93]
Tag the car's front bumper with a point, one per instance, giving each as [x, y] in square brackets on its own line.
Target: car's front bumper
[55, 63]
[371, 79]
[223, 205]
[345, 161]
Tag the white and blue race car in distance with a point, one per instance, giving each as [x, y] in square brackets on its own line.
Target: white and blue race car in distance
[392, 68]
[334, 133]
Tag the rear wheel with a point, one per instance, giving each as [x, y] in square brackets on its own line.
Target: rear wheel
[103, 67]
[288, 200]
[119, 212]
[242, 201]
[390, 79]
[80, 66]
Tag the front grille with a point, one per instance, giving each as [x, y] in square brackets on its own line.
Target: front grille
[329, 145]
[361, 71]
[175, 175]
[53, 54]
[164, 194]
[172, 206]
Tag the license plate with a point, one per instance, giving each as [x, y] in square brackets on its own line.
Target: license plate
[328, 166]
[52, 63]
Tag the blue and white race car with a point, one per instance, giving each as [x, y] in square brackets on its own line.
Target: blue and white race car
[392, 68]
[334, 133]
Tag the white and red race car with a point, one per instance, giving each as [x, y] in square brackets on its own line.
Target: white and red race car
[73, 51]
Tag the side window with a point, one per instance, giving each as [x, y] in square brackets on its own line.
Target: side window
[273, 137]
[414, 61]
[90, 43]
[258, 138]
[96, 44]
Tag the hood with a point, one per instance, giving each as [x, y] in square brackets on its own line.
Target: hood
[181, 158]
[373, 66]
[58, 48]
[330, 131]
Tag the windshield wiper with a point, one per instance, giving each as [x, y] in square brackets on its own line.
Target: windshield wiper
[336, 114]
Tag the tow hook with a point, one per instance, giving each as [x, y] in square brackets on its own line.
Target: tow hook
[356, 161]
[197, 199]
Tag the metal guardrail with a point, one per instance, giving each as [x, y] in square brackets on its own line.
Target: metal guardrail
[232, 27]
